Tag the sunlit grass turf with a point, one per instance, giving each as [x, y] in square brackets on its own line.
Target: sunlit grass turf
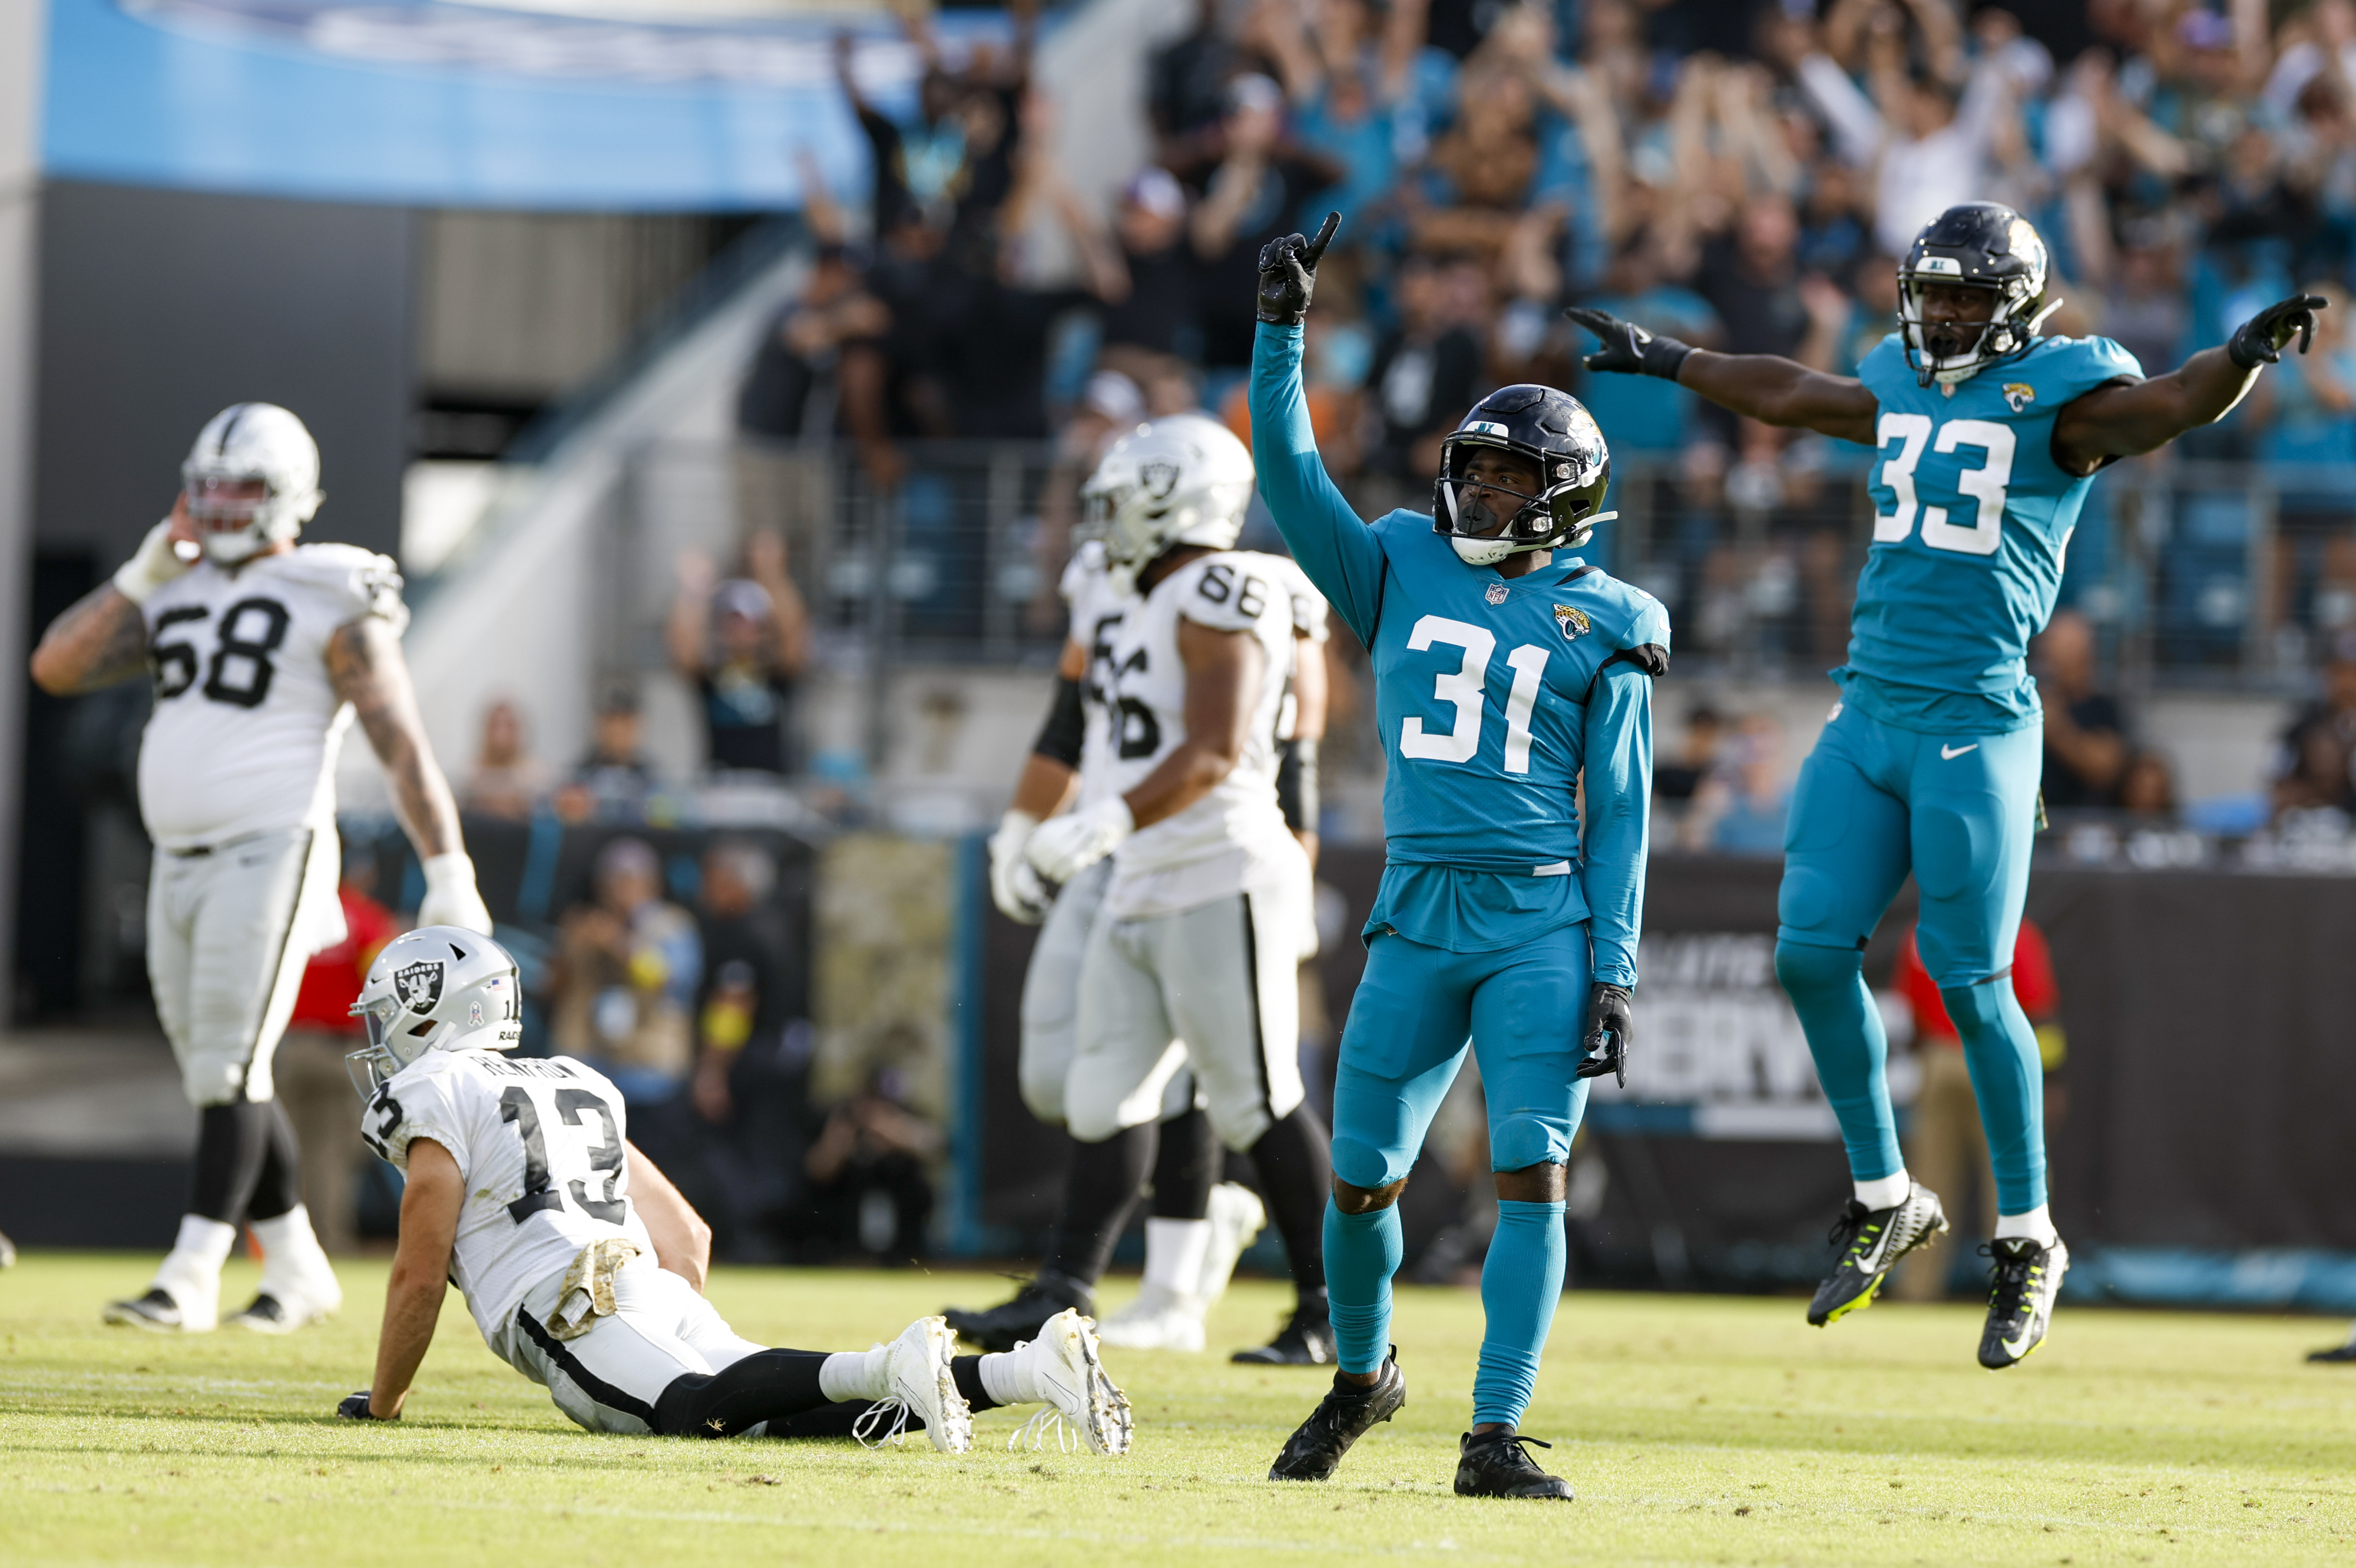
[1696, 1429]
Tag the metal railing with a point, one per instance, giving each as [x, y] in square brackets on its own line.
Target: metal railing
[2195, 574]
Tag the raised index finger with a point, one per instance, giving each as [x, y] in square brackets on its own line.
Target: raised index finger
[1317, 250]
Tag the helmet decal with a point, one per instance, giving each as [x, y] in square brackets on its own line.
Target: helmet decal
[1980, 245]
[418, 985]
[1567, 457]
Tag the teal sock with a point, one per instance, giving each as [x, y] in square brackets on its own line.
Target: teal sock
[2009, 1079]
[1362, 1253]
[1827, 989]
[1520, 1285]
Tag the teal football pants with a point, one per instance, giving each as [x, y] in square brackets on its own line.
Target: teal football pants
[1524, 1008]
[1873, 802]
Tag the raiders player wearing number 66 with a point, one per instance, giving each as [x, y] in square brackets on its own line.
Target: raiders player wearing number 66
[262, 651]
[583, 1267]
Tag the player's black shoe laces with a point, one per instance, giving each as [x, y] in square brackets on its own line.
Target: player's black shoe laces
[2014, 1272]
[1346, 1414]
[1854, 1233]
[1498, 1465]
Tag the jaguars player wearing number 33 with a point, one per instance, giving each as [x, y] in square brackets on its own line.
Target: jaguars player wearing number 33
[1503, 673]
[1989, 435]
[263, 650]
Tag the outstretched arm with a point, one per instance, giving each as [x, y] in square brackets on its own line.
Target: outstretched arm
[1326, 537]
[2125, 419]
[420, 1272]
[1764, 387]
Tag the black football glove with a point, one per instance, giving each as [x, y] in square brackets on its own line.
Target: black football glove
[1629, 349]
[356, 1408]
[2261, 340]
[1611, 1032]
[1287, 274]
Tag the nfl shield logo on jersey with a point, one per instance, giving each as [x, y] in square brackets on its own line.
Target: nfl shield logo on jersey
[1574, 622]
[418, 987]
[1496, 594]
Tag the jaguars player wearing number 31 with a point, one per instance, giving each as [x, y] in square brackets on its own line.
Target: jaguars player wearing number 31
[1504, 674]
[263, 650]
[1988, 436]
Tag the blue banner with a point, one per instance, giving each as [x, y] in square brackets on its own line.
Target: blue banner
[585, 104]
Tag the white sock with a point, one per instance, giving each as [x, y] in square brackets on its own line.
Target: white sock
[1174, 1251]
[1885, 1192]
[854, 1375]
[288, 1241]
[198, 1254]
[2037, 1225]
[1006, 1378]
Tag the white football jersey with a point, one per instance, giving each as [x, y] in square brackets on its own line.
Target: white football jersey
[247, 726]
[539, 1143]
[1232, 838]
[1100, 602]
[1309, 622]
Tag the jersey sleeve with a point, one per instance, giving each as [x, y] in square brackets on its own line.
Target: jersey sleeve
[1231, 593]
[2085, 363]
[1086, 562]
[1617, 759]
[1340, 553]
[354, 584]
[1309, 606]
[413, 1106]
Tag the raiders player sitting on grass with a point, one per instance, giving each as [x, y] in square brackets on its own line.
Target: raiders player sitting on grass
[584, 1266]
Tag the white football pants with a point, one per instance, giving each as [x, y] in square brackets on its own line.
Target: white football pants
[1051, 1000]
[609, 1378]
[1215, 987]
[229, 931]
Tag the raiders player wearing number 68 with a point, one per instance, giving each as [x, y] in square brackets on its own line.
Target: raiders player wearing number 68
[583, 1267]
[263, 650]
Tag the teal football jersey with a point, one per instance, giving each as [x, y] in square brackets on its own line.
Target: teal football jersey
[1972, 521]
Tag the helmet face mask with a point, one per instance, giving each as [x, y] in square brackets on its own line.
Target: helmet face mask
[1556, 441]
[1180, 480]
[250, 480]
[439, 988]
[1982, 246]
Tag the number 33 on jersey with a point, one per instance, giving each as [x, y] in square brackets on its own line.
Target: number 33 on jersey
[1972, 519]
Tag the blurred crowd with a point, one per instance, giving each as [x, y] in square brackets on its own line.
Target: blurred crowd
[1741, 173]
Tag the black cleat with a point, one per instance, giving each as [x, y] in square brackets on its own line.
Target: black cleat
[1305, 1340]
[1346, 1414]
[155, 1311]
[2023, 1281]
[2337, 1353]
[1000, 1328]
[1495, 1465]
[1871, 1241]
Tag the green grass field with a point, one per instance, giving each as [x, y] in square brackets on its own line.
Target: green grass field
[1697, 1430]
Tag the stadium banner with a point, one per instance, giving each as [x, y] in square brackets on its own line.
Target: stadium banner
[2200, 1114]
[532, 103]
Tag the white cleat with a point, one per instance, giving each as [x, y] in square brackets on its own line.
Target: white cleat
[920, 1385]
[1236, 1217]
[162, 1311]
[290, 1308]
[1159, 1319]
[1066, 1369]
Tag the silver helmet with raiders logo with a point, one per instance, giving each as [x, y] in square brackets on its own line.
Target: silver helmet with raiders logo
[1180, 479]
[440, 988]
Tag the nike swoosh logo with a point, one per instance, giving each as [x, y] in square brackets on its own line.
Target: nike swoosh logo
[1949, 752]
[2016, 1348]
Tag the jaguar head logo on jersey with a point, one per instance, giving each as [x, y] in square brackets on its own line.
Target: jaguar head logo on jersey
[439, 988]
[418, 987]
[2018, 395]
[1574, 622]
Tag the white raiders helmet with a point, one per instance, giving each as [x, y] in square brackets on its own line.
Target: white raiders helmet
[1180, 480]
[241, 445]
[438, 988]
